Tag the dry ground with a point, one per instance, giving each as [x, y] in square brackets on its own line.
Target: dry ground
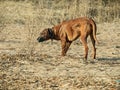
[28, 65]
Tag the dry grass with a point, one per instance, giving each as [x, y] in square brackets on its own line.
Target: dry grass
[44, 72]
[25, 64]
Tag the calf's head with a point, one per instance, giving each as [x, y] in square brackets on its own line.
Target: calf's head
[46, 34]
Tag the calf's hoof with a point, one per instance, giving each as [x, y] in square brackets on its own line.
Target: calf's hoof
[84, 61]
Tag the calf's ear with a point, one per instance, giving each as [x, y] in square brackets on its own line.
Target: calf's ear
[50, 31]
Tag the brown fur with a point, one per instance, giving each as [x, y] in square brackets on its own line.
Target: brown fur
[68, 31]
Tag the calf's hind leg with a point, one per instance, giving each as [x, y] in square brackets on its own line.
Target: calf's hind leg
[84, 42]
[94, 49]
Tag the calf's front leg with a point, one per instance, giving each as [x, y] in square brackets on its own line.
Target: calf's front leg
[65, 46]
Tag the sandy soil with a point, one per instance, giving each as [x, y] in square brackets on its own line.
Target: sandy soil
[42, 67]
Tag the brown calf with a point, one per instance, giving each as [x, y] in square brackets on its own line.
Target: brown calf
[68, 31]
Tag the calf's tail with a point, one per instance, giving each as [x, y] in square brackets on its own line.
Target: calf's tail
[94, 28]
